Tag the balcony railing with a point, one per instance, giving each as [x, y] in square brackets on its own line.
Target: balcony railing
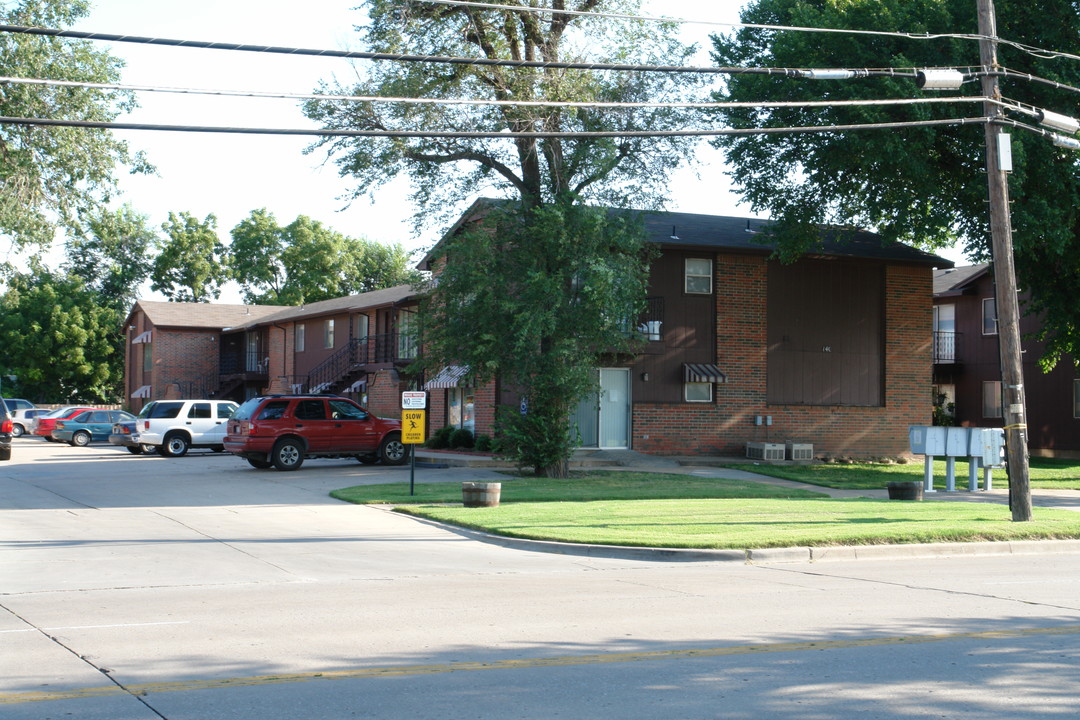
[946, 346]
[244, 362]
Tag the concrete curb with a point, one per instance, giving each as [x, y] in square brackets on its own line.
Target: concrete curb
[763, 556]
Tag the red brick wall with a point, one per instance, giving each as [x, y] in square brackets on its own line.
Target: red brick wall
[725, 426]
[384, 393]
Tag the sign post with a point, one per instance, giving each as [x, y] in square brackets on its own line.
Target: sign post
[413, 423]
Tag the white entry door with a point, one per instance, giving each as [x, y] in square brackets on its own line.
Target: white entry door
[603, 418]
[615, 408]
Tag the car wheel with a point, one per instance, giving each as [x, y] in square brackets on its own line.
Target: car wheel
[150, 449]
[392, 451]
[175, 445]
[259, 464]
[135, 449]
[288, 454]
[368, 459]
[80, 439]
[17, 430]
[5, 454]
[218, 448]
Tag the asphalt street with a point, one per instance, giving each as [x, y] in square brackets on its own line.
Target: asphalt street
[197, 588]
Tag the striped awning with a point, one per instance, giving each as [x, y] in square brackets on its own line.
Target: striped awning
[448, 377]
[703, 373]
[143, 337]
[143, 392]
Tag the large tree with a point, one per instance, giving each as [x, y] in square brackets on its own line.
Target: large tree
[921, 185]
[190, 266]
[53, 176]
[112, 255]
[546, 177]
[305, 261]
[57, 339]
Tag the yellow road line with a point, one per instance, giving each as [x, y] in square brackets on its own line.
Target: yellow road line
[559, 661]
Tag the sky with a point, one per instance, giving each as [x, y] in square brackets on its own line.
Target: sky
[231, 175]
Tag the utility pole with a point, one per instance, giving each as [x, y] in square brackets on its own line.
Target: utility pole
[1008, 308]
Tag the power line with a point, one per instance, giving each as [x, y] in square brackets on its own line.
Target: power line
[1030, 49]
[435, 59]
[494, 134]
[487, 102]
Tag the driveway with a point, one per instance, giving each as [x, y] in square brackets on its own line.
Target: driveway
[198, 588]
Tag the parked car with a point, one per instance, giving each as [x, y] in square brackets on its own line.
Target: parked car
[5, 431]
[283, 430]
[21, 420]
[43, 425]
[124, 434]
[88, 426]
[171, 427]
[14, 404]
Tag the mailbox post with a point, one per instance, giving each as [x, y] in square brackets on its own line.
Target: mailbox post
[979, 446]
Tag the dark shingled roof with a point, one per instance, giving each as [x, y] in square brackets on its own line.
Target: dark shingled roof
[740, 234]
[952, 281]
[719, 232]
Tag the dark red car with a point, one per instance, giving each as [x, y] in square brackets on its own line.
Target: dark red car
[283, 430]
[43, 425]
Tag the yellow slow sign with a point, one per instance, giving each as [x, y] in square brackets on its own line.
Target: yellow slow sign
[412, 426]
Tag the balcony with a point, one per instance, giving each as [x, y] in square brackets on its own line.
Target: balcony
[947, 346]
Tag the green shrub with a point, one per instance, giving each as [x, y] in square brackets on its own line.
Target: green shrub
[483, 443]
[440, 438]
[461, 438]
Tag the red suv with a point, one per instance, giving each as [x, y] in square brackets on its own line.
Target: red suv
[283, 430]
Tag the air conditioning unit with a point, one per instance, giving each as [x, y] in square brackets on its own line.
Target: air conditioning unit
[764, 451]
[799, 451]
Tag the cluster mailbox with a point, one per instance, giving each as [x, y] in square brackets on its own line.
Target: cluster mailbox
[983, 447]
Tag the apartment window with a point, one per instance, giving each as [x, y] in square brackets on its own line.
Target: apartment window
[698, 276]
[147, 358]
[989, 312]
[328, 334]
[992, 399]
[300, 339]
[698, 392]
[361, 327]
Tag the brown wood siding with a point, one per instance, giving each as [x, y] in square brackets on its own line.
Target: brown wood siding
[826, 333]
[688, 331]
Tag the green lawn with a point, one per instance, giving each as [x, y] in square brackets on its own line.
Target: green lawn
[1046, 473]
[600, 485]
[682, 511]
[754, 523]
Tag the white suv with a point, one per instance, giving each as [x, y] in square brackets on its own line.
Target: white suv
[173, 426]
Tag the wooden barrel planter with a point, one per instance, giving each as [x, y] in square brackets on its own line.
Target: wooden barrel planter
[905, 490]
[480, 494]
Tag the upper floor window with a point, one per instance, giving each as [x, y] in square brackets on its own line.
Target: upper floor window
[989, 313]
[328, 334]
[361, 327]
[147, 358]
[992, 399]
[698, 276]
[300, 339]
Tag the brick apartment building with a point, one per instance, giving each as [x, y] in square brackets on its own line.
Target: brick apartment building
[834, 350]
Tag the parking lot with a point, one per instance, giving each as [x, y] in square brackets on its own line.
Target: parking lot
[193, 588]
